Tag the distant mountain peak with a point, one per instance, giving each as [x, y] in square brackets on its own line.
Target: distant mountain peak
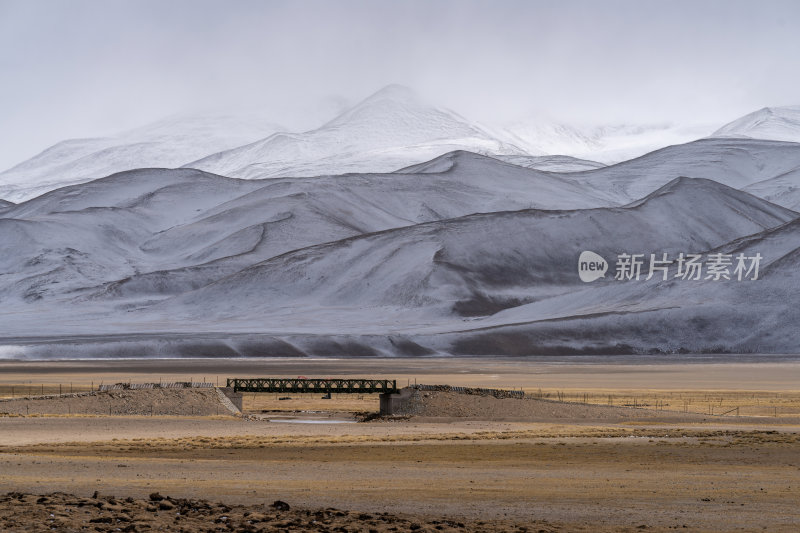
[394, 91]
[392, 103]
[769, 123]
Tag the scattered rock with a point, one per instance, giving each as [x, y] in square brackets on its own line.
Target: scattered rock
[107, 514]
[280, 505]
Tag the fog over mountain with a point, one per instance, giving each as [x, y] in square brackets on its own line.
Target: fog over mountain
[390, 129]
[167, 143]
[90, 68]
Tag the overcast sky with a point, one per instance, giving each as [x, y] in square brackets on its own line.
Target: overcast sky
[92, 67]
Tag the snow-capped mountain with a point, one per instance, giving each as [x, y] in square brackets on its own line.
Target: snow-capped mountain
[771, 123]
[446, 251]
[604, 143]
[391, 129]
[167, 143]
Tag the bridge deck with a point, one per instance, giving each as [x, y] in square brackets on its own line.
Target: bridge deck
[313, 385]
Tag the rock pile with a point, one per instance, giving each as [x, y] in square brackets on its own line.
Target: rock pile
[496, 393]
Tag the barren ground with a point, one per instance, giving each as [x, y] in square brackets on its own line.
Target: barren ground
[566, 467]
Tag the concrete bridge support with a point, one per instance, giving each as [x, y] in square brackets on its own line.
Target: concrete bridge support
[395, 403]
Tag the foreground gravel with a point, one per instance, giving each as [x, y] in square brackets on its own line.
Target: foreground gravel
[68, 513]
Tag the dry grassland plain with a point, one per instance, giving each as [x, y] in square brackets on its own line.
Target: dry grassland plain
[677, 464]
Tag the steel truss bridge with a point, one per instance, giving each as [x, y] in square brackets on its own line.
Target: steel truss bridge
[313, 385]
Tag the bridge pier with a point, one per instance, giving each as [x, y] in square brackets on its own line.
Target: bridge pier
[395, 403]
